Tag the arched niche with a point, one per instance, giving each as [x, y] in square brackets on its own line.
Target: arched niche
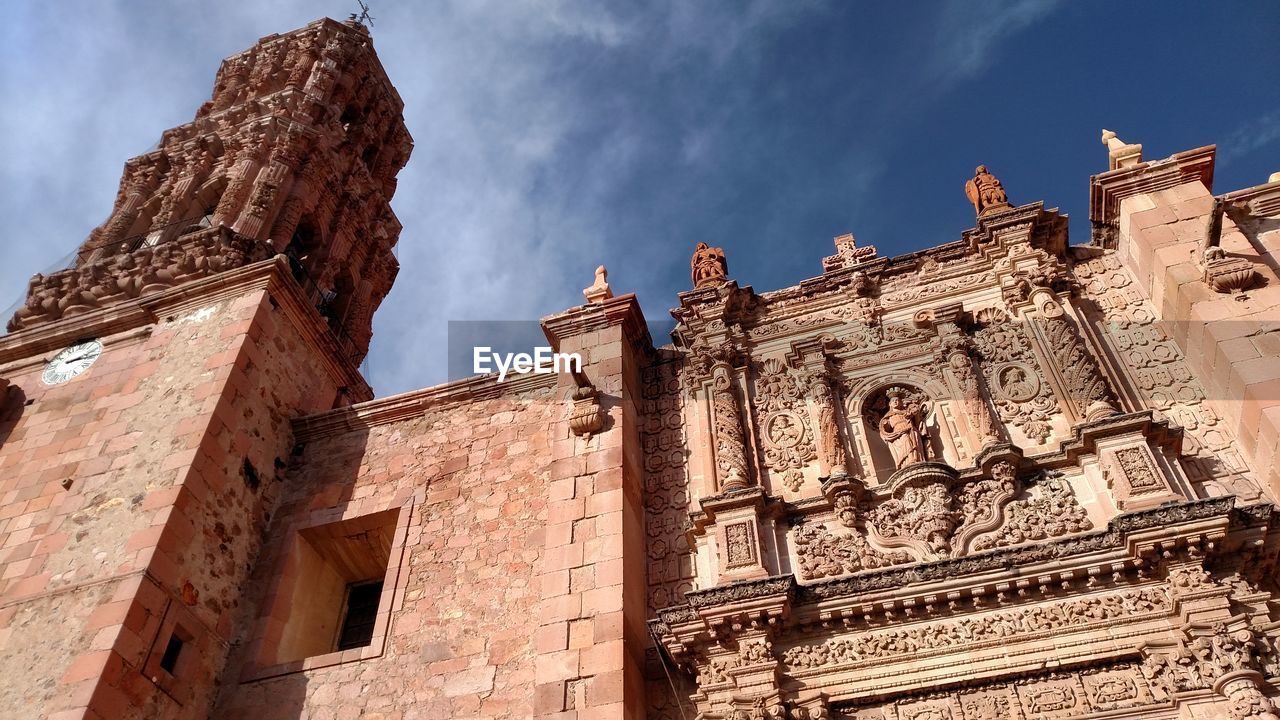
[866, 408]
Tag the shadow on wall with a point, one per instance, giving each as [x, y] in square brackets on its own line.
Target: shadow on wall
[290, 588]
[13, 403]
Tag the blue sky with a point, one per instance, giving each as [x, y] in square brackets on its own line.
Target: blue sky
[555, 136]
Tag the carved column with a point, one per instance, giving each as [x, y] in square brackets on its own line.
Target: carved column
[1220, 656]
[272, 184]
[730, 447]
[140, 181]
[248, 152]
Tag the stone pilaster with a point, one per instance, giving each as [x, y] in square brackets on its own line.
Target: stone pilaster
[591, 636]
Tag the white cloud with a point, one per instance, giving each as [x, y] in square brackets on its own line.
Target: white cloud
[1252, 136]
[969, 33]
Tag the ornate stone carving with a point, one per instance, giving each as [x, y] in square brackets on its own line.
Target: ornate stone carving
[666, 499]
[1083, 381]
[982, 501]
[920, 512]
[985, 192]
[1021, 396]
[731, 458]
[1034, 620]
[740, 544]
[786, 439]
[957, 354]
[1135, 469]
[755, 652]
[832, 458]
[586, 417]
[1227, 274]
[1157, 367]
[715, 672]
[1215, 657]
[824, 554]
[131, 274]
[847, 254]
[1051, 512]
[1049, 696]
[898, 414]
[708, 266]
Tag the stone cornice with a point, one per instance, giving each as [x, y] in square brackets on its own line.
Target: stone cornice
[622, 310]
[1259, 200]
[1108, 189]
[272, 275]
[413, 404]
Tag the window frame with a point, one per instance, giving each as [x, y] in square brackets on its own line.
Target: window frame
[391, 598]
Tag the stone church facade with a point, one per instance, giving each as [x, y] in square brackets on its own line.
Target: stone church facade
[1005, 477]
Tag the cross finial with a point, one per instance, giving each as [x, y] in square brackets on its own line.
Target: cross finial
[362, 18]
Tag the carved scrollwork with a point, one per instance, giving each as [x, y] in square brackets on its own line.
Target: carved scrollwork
[1022, 397]
[786, 437]
[1052, 511]
[824, 554]
[1213, 657]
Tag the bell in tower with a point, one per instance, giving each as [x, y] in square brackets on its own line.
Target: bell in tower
[296, 153]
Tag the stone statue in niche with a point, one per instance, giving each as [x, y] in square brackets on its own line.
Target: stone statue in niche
[901, 426]
[709, 266]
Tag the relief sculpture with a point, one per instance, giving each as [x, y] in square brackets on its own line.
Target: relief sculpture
[898, 414]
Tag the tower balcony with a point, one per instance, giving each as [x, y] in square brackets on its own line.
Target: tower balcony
[156, 260]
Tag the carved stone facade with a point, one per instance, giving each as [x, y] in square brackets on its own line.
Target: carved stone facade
[997, 478]
[1008, 492]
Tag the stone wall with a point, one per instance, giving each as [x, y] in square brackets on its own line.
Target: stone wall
[461, 637]
[131, 498]
[1230, 339]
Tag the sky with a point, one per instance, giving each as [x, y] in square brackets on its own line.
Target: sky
[553, 136]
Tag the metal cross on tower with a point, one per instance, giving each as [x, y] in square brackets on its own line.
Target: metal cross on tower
[363, 18]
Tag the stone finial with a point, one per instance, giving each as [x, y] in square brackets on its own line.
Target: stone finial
[985, 192]
[599, 290]
[847, 254]
[1119, 153]
[1273, 177]
[709, 266]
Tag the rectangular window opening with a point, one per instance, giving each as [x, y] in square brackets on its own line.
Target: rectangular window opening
[169, 661]
[360, 614]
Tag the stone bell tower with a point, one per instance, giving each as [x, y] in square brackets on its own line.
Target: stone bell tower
[147, 391]
[296, 153]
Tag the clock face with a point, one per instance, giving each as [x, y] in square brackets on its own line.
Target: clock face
[72, 361]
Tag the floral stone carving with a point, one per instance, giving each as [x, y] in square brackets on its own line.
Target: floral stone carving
[824, 554]
[1053, 511]
[1021, 396]
[786, 438]
[879, 646]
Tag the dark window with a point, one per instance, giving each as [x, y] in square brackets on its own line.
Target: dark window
[169, 660]
[361, 613]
